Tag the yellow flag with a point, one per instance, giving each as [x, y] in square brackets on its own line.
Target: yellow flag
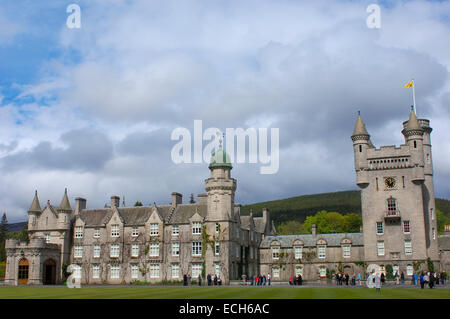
[410, 84]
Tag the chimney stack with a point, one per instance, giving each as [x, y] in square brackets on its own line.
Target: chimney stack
[177, 199]
[80, 204]
[314, 230]
[115, 201]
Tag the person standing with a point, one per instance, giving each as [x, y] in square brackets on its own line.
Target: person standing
[215, 280]
[185, 279]
[415, 276]
[199, 280]
[347, 277]
[208, 278]
[402, 278]
[382, 278]
[359, 279]
[422, 280]
[397, 278]
[300, 280]
[290, 280]
[268, 278]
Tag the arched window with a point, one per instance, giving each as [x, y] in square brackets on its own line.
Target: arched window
[392, 206]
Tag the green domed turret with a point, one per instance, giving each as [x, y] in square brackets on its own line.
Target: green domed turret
[220, 159]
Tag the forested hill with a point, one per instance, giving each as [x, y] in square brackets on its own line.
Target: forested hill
[299, 207]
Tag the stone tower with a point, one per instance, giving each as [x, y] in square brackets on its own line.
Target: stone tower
[397, 197]
[221, 221]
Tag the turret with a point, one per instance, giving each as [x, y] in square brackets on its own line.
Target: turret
[220, 187]
[64, 211]
[413, 133]
[34, 212]
[361, 142]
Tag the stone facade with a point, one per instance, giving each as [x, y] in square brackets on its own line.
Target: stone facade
[162, 243]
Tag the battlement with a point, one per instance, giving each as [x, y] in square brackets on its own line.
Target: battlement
[388, 151]
[389, 163]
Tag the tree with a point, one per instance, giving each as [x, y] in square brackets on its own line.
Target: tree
[291, 227]
[3, 236]
[442, 220]
[192, 200]
[138, 203]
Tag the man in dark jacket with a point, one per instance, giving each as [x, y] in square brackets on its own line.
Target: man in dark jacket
[185, 279]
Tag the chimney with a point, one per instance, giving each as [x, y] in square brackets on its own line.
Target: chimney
[314, 230]
[202, 198]
[177, 199]
[266, 220]
[115, 201]
[265, 215]
[80, 204]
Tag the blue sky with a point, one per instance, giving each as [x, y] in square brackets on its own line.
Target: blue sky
[92, 109]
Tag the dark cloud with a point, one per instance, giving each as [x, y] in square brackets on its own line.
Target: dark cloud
[85, 150]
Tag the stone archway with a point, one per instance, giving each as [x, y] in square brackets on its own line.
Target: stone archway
[49, 272]
[23, 272]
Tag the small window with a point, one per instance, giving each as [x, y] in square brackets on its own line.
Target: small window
[321, 251]
[47, 238]
[154, 270]
[415, 144]
[79, 232]
[96, 253]
[275, 253]
[175, 270]
[154, 229]
[298, 252]
[379, 228]
[360, 148]
[408, 247]
[322, 272]
[96, 232]
[134, 271]
[196, 248]
[346, 251]
[135, 250]
[216, 248]
[276, 272]
[196, 228]
[115, 271]
[175, 249]
[135, 232]
[380, 248]
[114, 251]
[175, 230]
[115, 231]
[78, 251]
[217, 228]
[154, 249]
[434, 233]
[406, 227]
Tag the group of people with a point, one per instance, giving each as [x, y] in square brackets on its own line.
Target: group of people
[296, 281]
[344, 278]
[260, 280]
[211, 280]
[430, 278]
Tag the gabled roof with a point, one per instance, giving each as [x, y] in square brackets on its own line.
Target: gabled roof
[135, 215]
[183, 212]
[260, 227]
[245, 221]
[310, 241]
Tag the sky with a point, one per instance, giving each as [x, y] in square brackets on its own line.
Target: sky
[93, 108]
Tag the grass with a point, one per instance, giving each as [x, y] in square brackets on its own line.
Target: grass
[219, 293]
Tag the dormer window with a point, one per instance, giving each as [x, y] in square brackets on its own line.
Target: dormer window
[135, 232]
[96, 232]
[196, 228]
[275, 253]
[78, 231]
[154, 229]
[115, 231]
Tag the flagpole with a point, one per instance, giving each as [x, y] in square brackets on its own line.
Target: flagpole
[414, 96]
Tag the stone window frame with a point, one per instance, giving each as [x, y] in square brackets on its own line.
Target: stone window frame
[175, 266]
[197, 248]
[79, 230]
[155, 270]
[321, 245]
[96, 232]
[95, 250]
[175, 248]
[275, 248]
[154, 250]
[406, 229]
[196, 228]
[135, 250]
[135, 231]
[154, 229]
[134, 271]
[197, 267]
[115, 230]
[377, 228]
[114, 248]
[95, 271]
[114, 270]
[175, 230]
[379, 248]
[298, 244]
[78, 251]
[408, 247]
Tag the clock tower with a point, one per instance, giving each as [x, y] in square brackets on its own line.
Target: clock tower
[397, 196]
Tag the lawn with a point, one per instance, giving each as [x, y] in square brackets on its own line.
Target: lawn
[218, 293]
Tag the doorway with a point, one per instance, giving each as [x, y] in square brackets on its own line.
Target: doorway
[24, 267]
[49, 272]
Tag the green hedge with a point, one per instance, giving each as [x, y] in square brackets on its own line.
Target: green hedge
[2, 270]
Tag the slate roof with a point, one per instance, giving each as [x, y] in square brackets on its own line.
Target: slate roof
[95, 217]
[184, 212]
[139, 215]
[310, 241]
[259, 224]
[245, 221]
[444, 242]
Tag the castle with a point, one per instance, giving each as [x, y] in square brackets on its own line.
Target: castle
[163, 243]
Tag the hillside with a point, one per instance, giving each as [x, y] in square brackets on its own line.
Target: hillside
[299, 207]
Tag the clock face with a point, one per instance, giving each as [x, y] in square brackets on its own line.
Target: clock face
[389, 182]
